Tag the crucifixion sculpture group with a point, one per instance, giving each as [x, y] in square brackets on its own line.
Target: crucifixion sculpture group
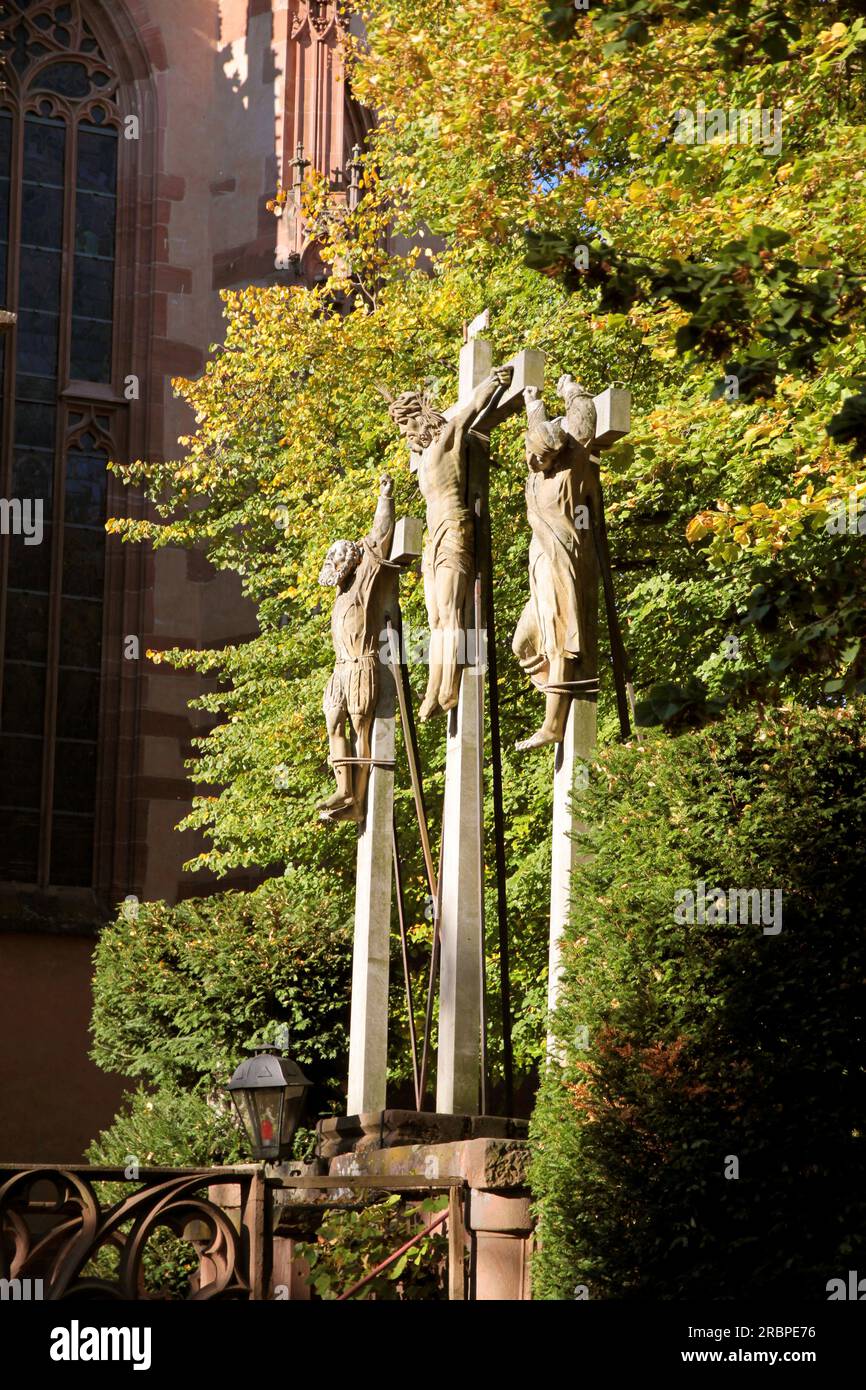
[556, 644]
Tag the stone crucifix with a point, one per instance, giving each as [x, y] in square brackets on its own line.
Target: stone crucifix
[360, 573]
[451, 453]
[439, 445]
[556, 641]
[360, 699]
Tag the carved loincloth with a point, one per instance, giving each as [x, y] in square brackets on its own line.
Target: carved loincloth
[451, 545]
[353, 688]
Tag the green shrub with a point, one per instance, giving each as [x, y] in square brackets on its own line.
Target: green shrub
[349, 1245]
[171, 1128]
[712, 1042]
[180, 993]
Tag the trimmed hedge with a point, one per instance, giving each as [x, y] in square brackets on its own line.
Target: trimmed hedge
[711, 1042]
[180, 993]
[171, 1128]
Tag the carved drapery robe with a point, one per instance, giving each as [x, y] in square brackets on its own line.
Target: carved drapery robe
[358, 620]
[559, 623]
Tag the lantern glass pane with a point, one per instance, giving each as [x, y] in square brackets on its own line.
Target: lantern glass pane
[294, 1103]
[247, 1114]
[269, 1102]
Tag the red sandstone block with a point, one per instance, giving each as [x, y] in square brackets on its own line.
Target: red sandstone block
[199, 570]
[160, 315]
[163, 789]
[154, 46]
[171, 186]
[241, 264]
[171, 358]
[173, 279]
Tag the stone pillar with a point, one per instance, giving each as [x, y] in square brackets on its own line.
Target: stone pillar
[290, 1273]
[570, 756]
[368, 1034]
[461, 893]
[501, 1229]
[368, 1029]
[461, 917]
[462, 910]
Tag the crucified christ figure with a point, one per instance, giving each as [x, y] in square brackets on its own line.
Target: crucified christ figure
[440, 446]
[358, 571]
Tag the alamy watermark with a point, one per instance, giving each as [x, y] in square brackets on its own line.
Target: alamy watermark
[846, 516]
[852, 1290]
[729, 907]
[413, 645]
[77, 1343]
[22, 517]
[751, 126]
[22, 1290]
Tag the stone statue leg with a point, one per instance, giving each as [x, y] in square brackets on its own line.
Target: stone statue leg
[430, 705]
[557, 705]
[340, 747]
[450, 596]
[363, 725]
[555, 717]
[528, 648]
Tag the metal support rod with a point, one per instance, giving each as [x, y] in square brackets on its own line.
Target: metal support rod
[617, 646]
[410, 738]
[394, 1256]
[404, 946]
[499, 834]
[431, 984]
[478, 510]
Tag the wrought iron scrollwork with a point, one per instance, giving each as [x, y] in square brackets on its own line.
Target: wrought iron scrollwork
[53, 1225]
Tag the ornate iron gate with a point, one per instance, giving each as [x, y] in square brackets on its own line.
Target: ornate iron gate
[56, 1229]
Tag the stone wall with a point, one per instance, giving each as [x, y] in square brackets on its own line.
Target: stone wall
[224, 90]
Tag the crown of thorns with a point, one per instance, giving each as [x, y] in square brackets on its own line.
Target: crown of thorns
[412, 405]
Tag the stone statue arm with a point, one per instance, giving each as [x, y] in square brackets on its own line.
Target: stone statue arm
[378, 540]
[480, 397]
[534, 402]
[545, 439]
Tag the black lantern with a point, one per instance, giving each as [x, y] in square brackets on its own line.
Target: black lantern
[269, 1091]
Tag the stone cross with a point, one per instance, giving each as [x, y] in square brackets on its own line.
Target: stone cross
[368, 1028]
[461, 881]
[573, 753]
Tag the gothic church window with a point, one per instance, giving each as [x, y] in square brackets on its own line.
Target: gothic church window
[60, 130]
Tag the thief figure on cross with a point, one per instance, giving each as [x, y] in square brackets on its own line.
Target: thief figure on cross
[556, 641]
[360, 572]
[439, 447]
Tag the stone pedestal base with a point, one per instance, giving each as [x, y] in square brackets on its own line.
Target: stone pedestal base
[489, 1195]
[501, 1229]
[289, 1273]
[497, 1216]
[388, 1129]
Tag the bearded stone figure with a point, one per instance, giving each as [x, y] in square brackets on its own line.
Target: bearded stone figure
[556, 641]
[366, 598]
[440, 447]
